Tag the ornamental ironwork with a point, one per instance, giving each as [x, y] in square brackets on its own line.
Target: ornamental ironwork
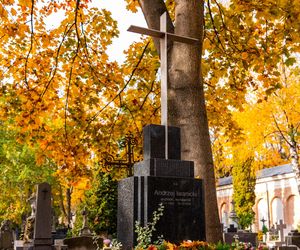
[110, 162]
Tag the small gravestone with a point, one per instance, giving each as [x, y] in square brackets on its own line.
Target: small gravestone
[232, 229]
[242, 236]
[293, 238]
[6, 235]
[159, 180]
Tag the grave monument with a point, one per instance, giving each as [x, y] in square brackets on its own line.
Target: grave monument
[162, 177]
[42, 212]
[158, 180]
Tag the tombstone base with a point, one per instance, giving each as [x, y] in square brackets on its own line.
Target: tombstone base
[183, 215]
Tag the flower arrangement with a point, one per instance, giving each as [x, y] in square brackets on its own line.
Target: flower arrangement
[185, 245]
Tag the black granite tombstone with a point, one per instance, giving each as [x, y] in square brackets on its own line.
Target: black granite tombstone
[158, 180]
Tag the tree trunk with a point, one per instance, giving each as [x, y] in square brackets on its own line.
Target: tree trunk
[186, 97]
[69, 212]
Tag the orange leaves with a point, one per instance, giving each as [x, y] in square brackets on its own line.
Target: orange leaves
[132, 5]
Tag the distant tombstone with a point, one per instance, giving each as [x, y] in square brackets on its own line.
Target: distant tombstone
[272, 235]
[280, 227]
[42, 218]
[6, 235]
[159, 180]
[246, 237]
[85, 239]
[85, 230]
[42, 228]
[231, 229]
[293, 238]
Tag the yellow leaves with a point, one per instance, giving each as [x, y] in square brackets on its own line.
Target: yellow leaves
[13, 12]
[244, 55]
[81, 183]
[132, 5]
[206, 44]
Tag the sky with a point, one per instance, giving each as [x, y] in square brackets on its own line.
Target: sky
[125, 19]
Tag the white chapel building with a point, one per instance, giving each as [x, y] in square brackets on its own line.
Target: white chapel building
[277, 198]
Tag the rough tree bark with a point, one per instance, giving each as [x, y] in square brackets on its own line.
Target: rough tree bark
[186, 97]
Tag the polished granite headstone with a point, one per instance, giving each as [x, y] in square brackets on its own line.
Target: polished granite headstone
[158, 180]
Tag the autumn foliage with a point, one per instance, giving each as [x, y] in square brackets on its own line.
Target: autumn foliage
[64, 103]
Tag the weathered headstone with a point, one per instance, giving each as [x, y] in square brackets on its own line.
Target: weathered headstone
[158, 180]
[6, 235]
[41, 216]
[42, 239]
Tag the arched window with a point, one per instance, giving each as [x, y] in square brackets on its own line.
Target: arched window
[291, 210]
[277, 210]
[262, 208]
[224, 215]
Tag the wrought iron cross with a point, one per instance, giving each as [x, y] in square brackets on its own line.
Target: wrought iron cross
[109, 162]
[164, 36]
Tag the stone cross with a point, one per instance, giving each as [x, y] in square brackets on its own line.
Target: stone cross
[164, 36]
[280, 228]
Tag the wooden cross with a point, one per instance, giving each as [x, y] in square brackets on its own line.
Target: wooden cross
[280, 228]
[164, 36]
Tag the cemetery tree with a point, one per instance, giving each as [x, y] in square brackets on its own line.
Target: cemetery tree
[244, 180]
[275, 136]
[186, 96]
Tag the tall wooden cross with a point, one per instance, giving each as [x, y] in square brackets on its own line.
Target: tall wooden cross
[164, 36]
